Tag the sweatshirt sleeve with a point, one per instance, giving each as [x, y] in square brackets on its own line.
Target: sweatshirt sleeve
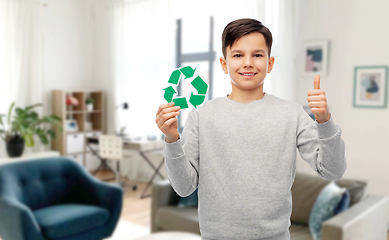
[182, 158]
[321, 146]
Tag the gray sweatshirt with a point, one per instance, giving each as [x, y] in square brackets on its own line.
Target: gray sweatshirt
[242, 159]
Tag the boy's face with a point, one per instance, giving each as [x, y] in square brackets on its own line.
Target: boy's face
[247, 62]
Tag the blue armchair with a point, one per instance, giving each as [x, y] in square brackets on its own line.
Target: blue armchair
[56, 198]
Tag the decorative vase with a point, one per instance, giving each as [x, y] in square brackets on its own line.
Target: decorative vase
[15, 146]
[89, 107]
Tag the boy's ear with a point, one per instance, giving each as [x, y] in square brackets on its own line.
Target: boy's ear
[223, 63]
[271, 64]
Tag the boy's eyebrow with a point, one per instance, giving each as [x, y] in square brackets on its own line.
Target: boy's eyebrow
[256, 50]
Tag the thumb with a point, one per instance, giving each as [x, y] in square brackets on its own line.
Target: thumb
[316, 82]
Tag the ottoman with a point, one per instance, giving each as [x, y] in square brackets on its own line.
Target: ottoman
[171, 236]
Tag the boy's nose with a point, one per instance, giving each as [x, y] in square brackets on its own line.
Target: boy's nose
[248, 62]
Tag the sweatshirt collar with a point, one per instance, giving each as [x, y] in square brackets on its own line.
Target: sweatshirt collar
[264, 99]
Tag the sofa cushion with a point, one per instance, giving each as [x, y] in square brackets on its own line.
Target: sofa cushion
[299, 232]
[189, 201]
[64, 220]
[324, 208]
[306, 188]
[181, 219]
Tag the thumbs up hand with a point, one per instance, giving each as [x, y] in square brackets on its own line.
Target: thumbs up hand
[317, 101]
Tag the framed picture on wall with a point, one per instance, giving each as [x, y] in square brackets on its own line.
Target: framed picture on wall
[370, 86]
[315, 58]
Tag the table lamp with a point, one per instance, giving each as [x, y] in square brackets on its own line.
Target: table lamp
[125, 106]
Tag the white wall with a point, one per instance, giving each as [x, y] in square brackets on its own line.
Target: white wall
[67, 26]
[102, 58]
[77, 47]
[359, 36]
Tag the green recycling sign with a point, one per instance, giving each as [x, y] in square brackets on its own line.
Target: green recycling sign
[198, 83]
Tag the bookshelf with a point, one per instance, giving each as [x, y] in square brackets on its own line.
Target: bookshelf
[78, 122]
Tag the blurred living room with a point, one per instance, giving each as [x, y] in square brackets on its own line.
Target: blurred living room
[82, 80]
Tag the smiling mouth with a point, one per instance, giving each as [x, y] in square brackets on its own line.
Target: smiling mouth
[247, 74]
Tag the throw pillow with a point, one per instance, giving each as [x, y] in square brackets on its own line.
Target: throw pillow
[356, 188]
[324, 208]
[189, 201]
[344, 203]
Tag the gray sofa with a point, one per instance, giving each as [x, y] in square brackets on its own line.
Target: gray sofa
[365, 219]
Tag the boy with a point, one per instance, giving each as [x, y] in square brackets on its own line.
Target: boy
[240, 150]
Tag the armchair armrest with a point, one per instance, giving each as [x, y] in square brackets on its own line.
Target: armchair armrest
[106, 195]
[105, 192]
[367, 219]
[17, 222]
[109, 196]
[162, 195]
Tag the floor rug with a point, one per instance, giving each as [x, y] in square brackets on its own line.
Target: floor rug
[128, 231]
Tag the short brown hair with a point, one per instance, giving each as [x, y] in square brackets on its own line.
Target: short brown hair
[238, 28]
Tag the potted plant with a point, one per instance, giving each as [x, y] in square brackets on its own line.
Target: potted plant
[26, 123]
[89, 104]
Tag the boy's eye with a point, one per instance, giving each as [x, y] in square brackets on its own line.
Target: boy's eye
[255, 55]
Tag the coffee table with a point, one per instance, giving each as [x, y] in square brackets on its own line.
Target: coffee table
[171, 236]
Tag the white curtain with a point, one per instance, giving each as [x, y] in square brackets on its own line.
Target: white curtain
[143, 56]
[21, 48]
[144, 42]
[280, 19]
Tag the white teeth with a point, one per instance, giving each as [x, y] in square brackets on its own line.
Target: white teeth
[248, 74]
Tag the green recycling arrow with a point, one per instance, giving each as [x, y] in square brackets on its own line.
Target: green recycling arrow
[187, 71]
[198, 83]
[175, 77]
[180, 102]
[169, 92]
[196, 100]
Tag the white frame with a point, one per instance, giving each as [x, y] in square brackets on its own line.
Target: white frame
[358, 88]
[323, 44]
